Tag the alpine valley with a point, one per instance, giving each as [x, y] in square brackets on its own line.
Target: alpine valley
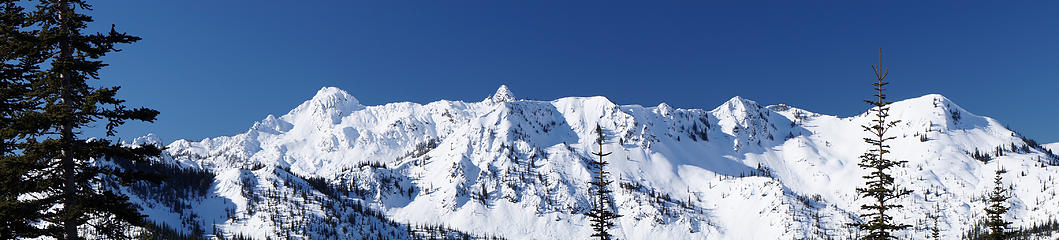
[512, 168]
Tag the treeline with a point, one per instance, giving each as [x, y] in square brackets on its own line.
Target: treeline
[162, 231]
[313, 207]
[1038, 230]
[1012, 148]
[169, 184]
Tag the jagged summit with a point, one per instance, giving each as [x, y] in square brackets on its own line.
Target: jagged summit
[272, 124]
[737, 109]
[150, 138]
[664, 109]
[329, 105]
[503, 94]
[736, 104]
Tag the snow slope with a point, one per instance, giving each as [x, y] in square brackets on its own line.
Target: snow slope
[1052, 146]
[518, 168]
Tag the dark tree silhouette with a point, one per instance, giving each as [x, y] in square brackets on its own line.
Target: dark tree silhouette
[995, 211]
[20, 57]
[880, 186]
[601, 214]
[72, 193]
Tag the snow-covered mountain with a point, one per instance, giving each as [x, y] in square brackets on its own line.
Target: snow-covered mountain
[515, 168]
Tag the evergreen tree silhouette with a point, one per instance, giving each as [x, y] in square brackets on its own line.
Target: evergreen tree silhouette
[995, 211]
[880, 186]
[72, 191]
[20, 57]
[601, 216]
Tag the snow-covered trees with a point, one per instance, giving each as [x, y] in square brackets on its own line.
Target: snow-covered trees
[880, 190]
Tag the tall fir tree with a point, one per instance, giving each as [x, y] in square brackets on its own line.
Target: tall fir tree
[995, 211]
[66, 192]
[880, 189]
[601, 216]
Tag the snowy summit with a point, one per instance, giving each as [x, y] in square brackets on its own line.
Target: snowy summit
[503, 94]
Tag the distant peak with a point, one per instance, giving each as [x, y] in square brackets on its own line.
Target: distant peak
[149, 139]
[329, 103]
[332, 95]
[740, 100]
[664, 109]
[737, 103]
[503, 94]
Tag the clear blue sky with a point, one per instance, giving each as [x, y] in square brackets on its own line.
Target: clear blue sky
[214, 67]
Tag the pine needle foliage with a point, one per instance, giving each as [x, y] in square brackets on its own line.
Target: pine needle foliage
[880, 189]
[995, 211]
[19, 60]
[66, 190]
[601, 216]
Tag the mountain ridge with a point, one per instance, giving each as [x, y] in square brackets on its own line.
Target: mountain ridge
[680, 173]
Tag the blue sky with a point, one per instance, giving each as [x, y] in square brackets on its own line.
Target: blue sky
[214, 67]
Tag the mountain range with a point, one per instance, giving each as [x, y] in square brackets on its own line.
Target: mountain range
[513, 168]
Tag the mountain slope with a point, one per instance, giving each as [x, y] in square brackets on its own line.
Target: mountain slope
[1052, 146]
[518, 168]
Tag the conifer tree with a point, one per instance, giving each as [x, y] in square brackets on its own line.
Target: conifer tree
[935, 231]
[16, 69]
[601, 214]
[70, 192]
[880, 189]
[995, 211]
